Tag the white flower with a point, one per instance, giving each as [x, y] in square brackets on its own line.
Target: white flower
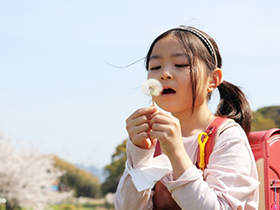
[152, 87]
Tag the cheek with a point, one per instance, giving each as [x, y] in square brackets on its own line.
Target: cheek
[151, 75]
[185, 80]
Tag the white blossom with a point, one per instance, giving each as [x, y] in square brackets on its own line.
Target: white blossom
[26, 177]
[152, 87]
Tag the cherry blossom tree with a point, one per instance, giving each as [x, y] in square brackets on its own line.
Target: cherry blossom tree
[26, 177]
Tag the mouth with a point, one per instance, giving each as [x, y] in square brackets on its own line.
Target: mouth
[168, 91]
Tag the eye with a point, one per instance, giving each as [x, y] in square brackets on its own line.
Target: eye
[182, 65]
[155, 68]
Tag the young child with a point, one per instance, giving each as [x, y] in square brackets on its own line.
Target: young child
[188, 64]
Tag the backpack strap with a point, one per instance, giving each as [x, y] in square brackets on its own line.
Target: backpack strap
[212, 131]
[208, 138]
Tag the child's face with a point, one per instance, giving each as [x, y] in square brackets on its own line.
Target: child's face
[169, 64]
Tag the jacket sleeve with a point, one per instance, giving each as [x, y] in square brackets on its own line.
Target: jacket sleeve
[127, 197]
[230, 180]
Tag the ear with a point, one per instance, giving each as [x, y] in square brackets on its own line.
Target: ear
[215, 79]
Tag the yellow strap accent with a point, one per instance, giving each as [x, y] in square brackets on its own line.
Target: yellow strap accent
[202, 149]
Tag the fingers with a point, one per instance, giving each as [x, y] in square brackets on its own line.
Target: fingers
[166, 129]
[161, 121]
[159, 117]
[143, 111]
[138, 127]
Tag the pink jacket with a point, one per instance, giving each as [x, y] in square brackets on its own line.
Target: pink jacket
[230, 180]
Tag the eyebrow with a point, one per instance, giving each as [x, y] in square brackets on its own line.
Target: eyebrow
[175, 55]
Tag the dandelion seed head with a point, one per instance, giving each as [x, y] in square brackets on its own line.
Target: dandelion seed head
[152, 87]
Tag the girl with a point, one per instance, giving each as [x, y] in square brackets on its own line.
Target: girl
[188, 64]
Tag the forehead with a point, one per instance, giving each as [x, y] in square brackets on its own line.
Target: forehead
[167, 46]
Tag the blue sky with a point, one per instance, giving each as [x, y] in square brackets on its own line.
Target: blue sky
[58, 92]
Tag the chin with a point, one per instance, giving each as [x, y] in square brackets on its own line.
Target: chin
[168, 108]
[173, 108]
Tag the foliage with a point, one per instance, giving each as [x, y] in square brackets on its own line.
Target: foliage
[266, 118]
[81, 207]
[82, 182]
[272, 112]
[26, 177]
[67, 207]
[115, 170]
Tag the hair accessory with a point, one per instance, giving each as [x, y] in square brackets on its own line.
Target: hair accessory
[204, 39]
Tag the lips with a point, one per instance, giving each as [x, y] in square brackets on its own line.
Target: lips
[168, 91]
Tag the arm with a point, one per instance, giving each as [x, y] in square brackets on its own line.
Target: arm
[230, 178]
[127, 197]
[140, 150]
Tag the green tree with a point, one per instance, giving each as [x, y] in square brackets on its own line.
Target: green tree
[272, 112]
[266, 118]
[115, 170]
[82, 182]
[261, 123]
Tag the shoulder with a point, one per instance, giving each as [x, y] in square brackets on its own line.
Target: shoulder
[232, 138]
[232, 130]
[232, 150]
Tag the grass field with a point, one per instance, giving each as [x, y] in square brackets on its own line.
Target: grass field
[82, 207]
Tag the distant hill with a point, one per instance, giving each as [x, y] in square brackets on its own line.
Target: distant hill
[266, 118]
[272, 112]
[98, 172]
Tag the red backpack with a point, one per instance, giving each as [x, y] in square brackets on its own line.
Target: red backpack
[266, 149]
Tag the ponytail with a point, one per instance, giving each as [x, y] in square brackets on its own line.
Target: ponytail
[234, 105]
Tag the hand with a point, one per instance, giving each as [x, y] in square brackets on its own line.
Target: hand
[167, 130]
[138, 127]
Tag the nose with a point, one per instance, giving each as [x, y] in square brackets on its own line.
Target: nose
[166, 75]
